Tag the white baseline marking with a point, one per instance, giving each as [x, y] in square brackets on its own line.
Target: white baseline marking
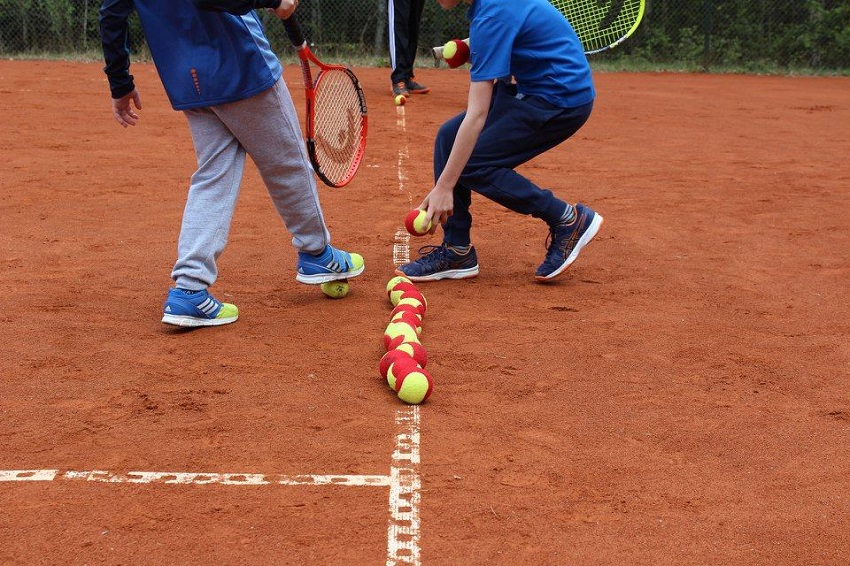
[403, 481]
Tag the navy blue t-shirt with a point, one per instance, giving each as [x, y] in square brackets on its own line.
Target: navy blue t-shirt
[535, 43]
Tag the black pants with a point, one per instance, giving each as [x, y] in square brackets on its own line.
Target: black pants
[404, 18]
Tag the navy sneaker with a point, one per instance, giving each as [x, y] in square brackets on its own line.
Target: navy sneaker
[440, 262]
[415, 88]
[330, 265]
[196, 308]
[565, 242]
[400, 89]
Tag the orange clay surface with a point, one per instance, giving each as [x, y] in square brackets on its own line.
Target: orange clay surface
[679, 396]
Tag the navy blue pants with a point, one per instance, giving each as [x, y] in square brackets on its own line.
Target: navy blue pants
[516, 130]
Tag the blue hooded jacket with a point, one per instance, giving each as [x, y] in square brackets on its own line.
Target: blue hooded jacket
[206, 53]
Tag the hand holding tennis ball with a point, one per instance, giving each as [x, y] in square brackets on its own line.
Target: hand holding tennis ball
[417, 222]
[456, 53]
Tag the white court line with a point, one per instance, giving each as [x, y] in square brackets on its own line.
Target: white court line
[403, 482]
[401, 242]
[403, 537]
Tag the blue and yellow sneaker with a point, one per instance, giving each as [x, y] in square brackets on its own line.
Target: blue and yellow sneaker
[196, 308]
[330, 265]
[565, 242]
[440, 262]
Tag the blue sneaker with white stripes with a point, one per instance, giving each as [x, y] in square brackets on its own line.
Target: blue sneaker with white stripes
[196, 308]
[330, 265]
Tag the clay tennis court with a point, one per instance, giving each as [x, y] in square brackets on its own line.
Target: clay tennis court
[680, 396]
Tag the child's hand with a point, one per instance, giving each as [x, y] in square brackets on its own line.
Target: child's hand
[122, 110]
[286, 9]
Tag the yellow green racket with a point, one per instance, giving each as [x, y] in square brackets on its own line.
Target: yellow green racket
[599, 24]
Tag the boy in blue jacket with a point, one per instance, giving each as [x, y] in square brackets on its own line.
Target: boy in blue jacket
[216, 66]
[506, 124]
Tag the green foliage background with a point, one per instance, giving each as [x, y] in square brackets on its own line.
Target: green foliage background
[741, 35]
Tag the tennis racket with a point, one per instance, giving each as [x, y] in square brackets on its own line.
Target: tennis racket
[599, 24]
[336, 114]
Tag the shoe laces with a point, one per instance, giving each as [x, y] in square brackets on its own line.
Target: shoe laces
[434, 257]
[555, 240]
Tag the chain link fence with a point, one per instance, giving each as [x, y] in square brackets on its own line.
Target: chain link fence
[746, 35]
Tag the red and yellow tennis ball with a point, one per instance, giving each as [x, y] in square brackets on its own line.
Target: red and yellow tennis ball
[417, 222]
[402, 290]
[397, 333]
[391, 357]
[456, 53]
[411, 308]
[409, 318]
[419, 306]
[415, 386]
[395, 281]
[400, 367]
[415, 350]
[400, 100]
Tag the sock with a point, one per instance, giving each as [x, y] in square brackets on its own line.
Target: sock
[568, 217]
[460, 250]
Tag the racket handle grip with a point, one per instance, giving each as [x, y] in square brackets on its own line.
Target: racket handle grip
[293, 31]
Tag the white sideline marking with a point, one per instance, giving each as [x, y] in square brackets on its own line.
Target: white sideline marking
[401, 244]
[403, 533]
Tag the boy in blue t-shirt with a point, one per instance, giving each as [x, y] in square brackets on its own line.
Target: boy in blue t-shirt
[506, 124]
[216, 66]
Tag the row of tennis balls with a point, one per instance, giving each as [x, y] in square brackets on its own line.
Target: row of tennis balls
[403, 364]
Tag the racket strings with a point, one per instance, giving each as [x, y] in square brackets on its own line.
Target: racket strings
[599, 23]
[338, 124]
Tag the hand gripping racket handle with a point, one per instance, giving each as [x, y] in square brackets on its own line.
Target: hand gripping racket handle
[293, 31]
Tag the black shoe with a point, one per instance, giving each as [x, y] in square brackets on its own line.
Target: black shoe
[400, 88]
[416, 88]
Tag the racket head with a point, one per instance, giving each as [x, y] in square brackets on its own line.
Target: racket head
[601, 24]
[337, 125]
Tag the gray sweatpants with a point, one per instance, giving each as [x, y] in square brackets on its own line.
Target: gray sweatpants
[265, 127]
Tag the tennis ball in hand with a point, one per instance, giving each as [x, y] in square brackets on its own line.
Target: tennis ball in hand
[400, 100]
[414, 387]
[336, 289]
[456, 53]
[417, 222]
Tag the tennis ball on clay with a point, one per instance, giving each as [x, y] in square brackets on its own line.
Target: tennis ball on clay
[409, 318]
[414, 387]
[400, 100]
[400, 367]
[419, 306]
[456, 53]
[389, 359]
[395, 281]
[415, 350]
[406, 308]
[417, 222]
[403, 290]
[397, 333]
[336, 289]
